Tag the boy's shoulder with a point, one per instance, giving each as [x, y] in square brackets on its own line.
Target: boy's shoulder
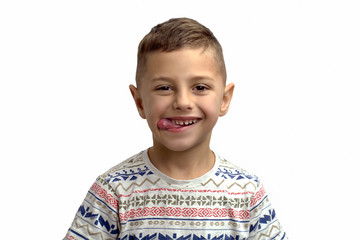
[229, 170]
[128, 169]
[134, 161]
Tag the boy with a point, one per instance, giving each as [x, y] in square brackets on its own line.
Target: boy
[178, 188]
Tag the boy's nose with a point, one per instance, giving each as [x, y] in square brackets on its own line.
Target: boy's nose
[183, 101]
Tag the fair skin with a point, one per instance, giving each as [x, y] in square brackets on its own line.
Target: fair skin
[181, 96]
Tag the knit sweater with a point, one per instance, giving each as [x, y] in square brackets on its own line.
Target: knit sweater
[134, 200]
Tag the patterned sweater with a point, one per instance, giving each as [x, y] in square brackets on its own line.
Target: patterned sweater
[134, 200]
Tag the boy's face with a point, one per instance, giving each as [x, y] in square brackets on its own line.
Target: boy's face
[181, 96]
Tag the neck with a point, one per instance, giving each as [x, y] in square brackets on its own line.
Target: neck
[182, 165]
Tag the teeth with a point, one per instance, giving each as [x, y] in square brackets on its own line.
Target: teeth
[186, 122]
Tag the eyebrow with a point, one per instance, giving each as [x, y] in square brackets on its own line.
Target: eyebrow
[161, 79]
[194, 78]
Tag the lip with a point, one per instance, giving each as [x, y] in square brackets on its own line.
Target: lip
[183, 127]
[184, 118]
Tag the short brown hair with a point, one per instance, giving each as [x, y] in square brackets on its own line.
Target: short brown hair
[175, 34]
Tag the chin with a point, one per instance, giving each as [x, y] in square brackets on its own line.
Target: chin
[177, 147]
[183, 146]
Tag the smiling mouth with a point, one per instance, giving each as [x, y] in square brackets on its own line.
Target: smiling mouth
[182, 123]
[167, 123]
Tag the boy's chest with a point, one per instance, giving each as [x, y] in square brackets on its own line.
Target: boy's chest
[162, 212]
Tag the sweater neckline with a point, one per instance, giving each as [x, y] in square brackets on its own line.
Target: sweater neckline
[177, 182]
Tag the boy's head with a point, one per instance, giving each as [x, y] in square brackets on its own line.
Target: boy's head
[176, 34]
[181, 88]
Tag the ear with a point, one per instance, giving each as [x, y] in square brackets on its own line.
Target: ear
[228, 93]
[138, 100]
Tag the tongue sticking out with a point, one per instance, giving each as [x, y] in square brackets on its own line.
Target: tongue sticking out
[167, 124]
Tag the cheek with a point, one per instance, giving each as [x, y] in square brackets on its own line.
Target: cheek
[211, 107]
[155, 107]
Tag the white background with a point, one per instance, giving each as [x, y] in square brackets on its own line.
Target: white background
[66, 114]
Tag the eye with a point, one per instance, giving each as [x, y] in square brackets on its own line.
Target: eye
[163, 88]
[201, 88]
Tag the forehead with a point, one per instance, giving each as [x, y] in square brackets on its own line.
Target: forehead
[181, 63]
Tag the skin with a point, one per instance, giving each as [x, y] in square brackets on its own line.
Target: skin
[182, 85]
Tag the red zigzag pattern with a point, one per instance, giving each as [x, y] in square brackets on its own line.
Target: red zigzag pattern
[184, 212]
[258, 196]
[102, 193]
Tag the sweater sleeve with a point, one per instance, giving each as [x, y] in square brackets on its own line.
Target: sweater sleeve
[264, 224]
[97, 217]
